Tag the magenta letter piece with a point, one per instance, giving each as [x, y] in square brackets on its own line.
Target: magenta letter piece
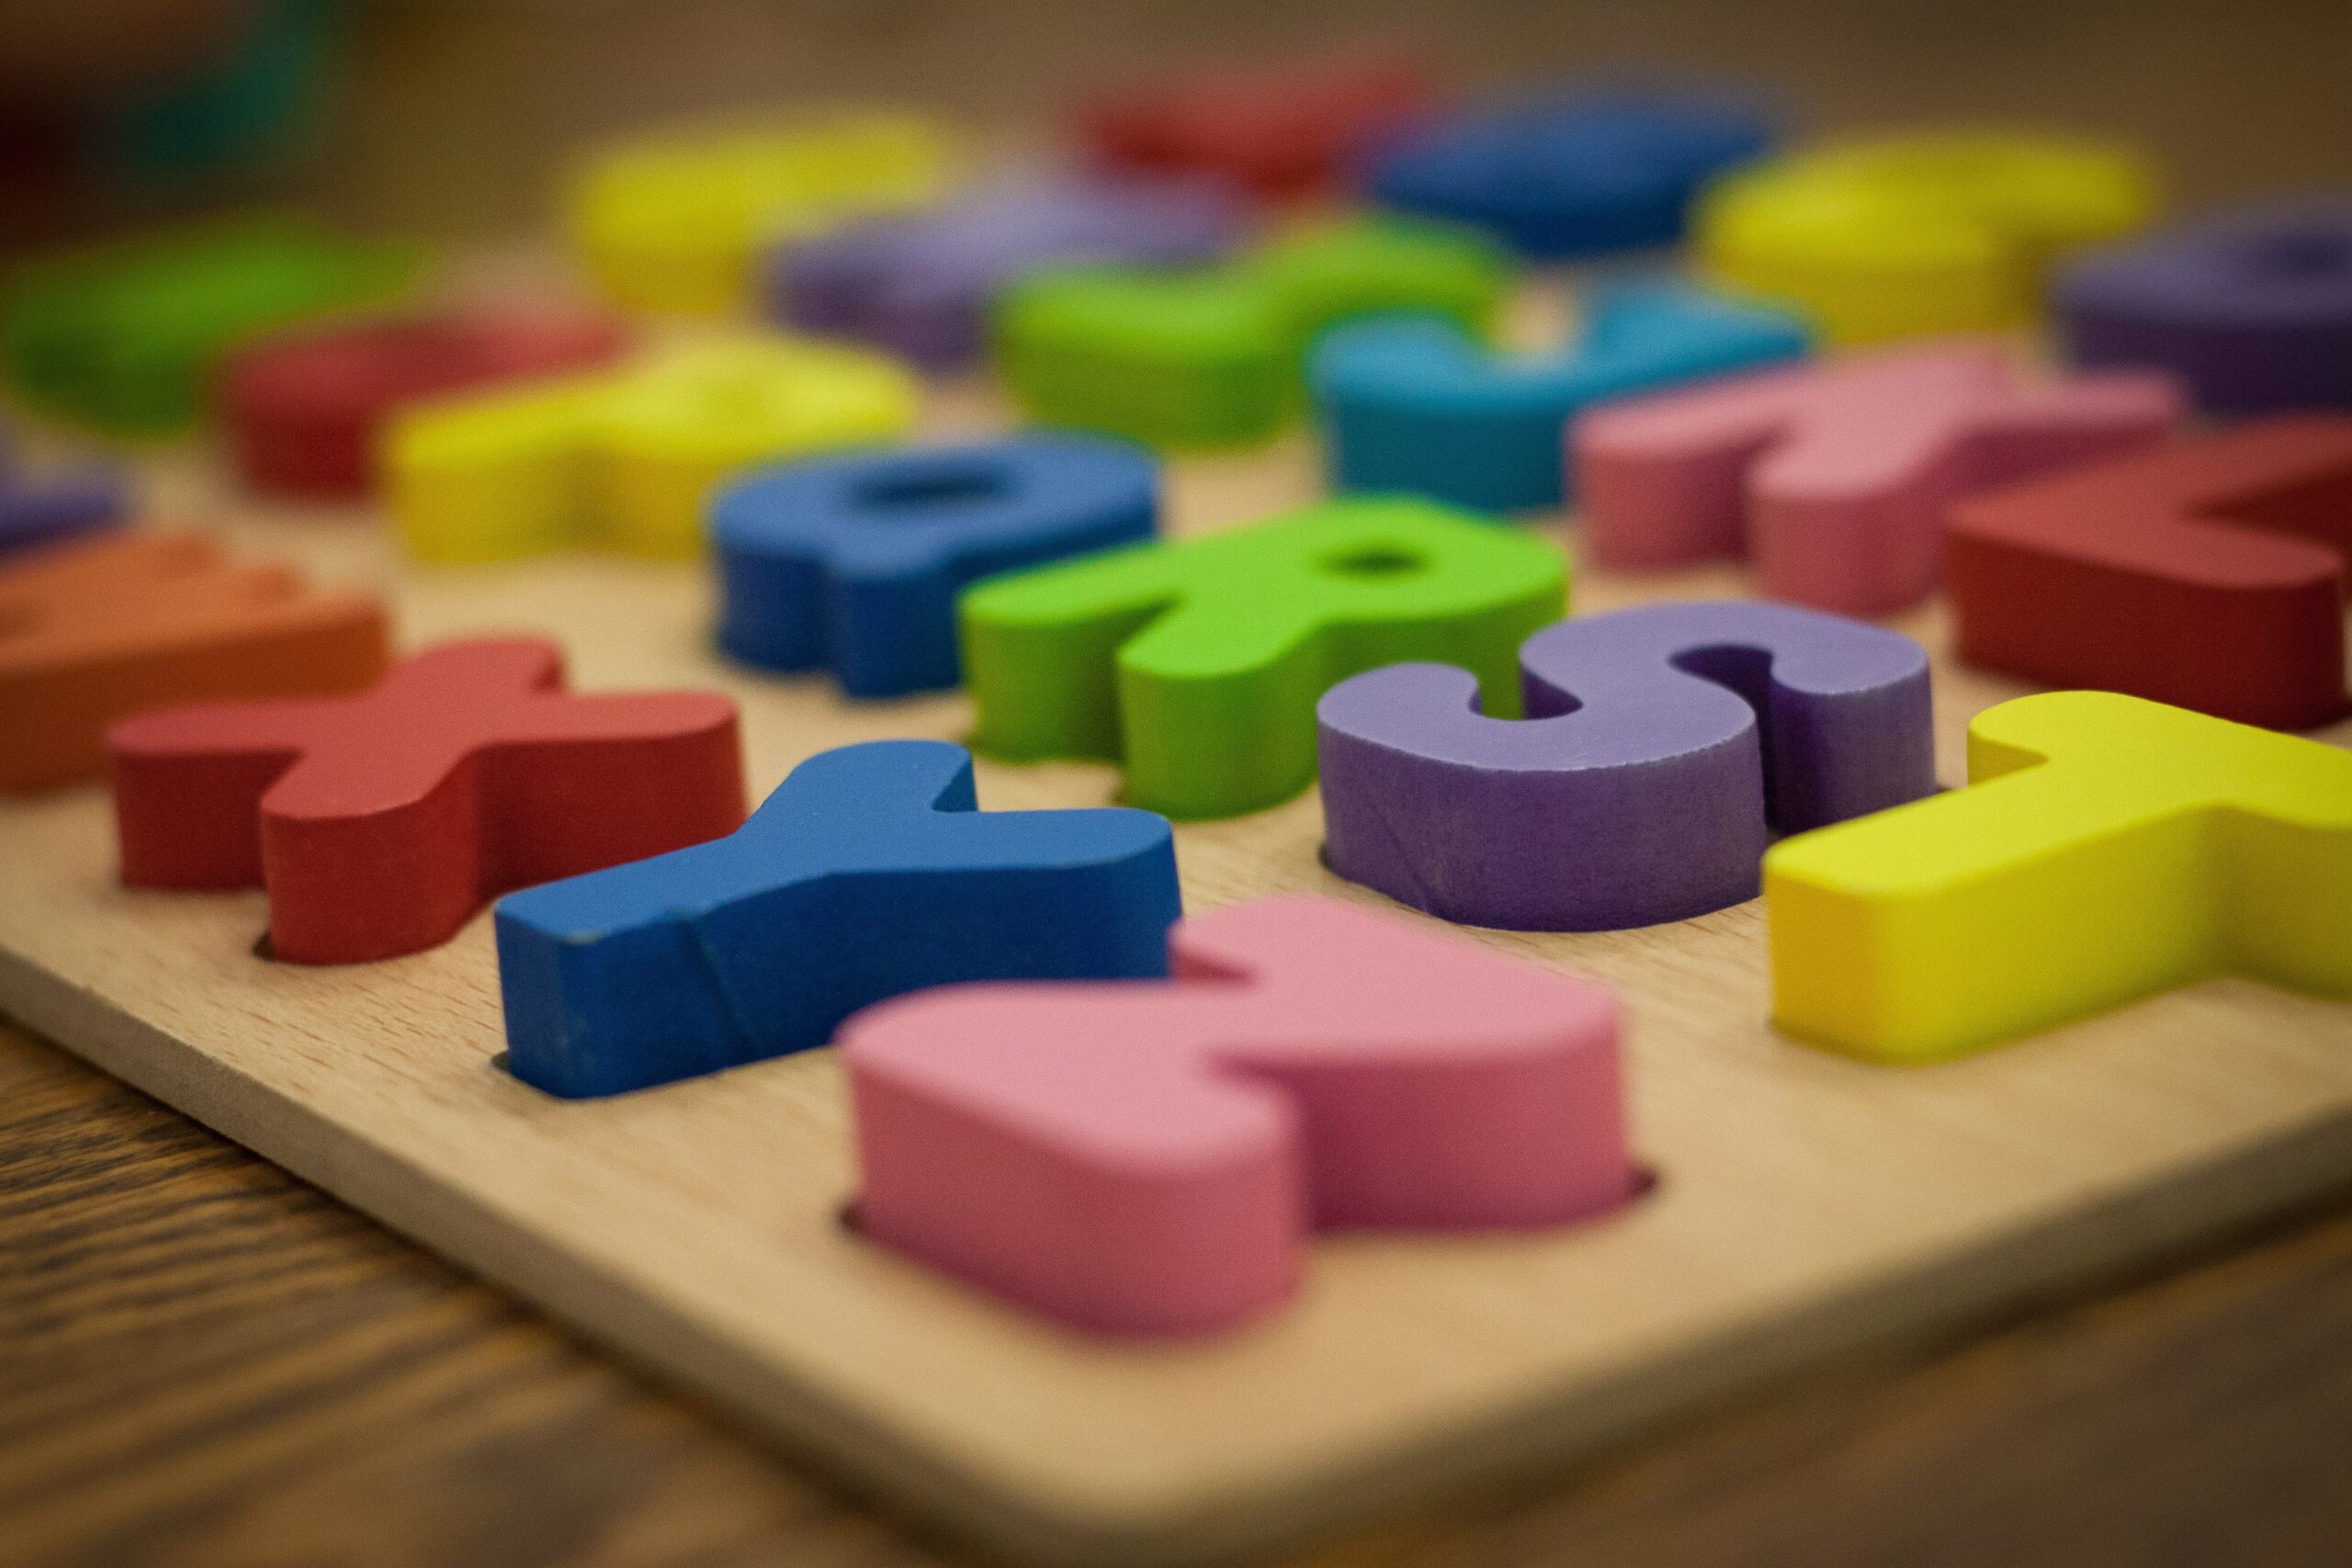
[1833, 479]
[1640, 787]
[1146, 1157]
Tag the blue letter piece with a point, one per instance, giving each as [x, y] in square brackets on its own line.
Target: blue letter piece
[53, 509]
[853, 562]
[1417, 405]
[868, 872]
[1576, 175]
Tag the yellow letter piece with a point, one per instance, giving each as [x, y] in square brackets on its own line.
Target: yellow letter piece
[624, 460]
[674, 224]
[2106, 848]
[1915, 235]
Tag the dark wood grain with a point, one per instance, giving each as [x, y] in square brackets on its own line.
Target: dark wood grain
[207, 1362]
[204, 1362]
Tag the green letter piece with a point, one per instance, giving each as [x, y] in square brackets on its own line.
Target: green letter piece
[125, 337]
[1211, 358]
[1199, 661]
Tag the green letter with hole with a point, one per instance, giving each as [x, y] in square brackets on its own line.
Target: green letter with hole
[1197, 663]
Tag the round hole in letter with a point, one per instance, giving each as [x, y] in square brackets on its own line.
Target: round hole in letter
[929, 488]
[1376, 561]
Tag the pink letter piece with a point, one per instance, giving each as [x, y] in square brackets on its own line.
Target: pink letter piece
[1144, 1158]
[1835, 475]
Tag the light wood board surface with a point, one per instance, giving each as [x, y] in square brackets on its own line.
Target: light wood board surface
[1807, 1203]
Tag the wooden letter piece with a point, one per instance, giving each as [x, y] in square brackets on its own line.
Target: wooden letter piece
[1148, 1159]
[40, 509]
[921, 285]
[92, 632]
[1832, 478]
[304, 413]
[1574, 175]
[1216, 357]
[869, 872]
[1663, 746]
[2209, 574]
[1281, 134]
[1421, 406]
[1911, 236]
[2253, 308]
[852, 563]
[126, 337]
[674, 222]
[625, 460]
[2106, 848]
[1198, 663]
[379, 823]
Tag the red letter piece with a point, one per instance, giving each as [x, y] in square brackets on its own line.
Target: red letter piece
[303, 411]
[2208, 575]
[379, 823]
[1835, 475]
[1146, 1157]
[92, 632]
[1279, 134]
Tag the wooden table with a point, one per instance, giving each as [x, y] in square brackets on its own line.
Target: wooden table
[204, 1361]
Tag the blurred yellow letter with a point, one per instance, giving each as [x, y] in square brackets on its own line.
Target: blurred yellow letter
[674, 224]
[624, 460]
[1916, 236]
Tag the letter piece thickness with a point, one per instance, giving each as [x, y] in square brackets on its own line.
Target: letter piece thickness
[852, 563]
[2106, 848]
[379, 823]
[1147, 1159]
[1197, 663]
[868, 872]
[1662, 748]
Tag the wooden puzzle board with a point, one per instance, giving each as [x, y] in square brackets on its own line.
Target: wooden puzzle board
[1806, 1204]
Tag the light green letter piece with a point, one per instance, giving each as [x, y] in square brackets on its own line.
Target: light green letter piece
[1199, 663]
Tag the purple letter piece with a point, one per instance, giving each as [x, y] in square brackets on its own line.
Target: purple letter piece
[57, 507]
[2253, 309]
[1640, 787]
[921, 286]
